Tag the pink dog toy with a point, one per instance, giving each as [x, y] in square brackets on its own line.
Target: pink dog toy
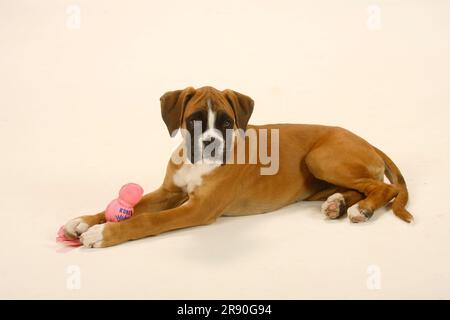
[122, 207]
[64, 240]
[118, 210]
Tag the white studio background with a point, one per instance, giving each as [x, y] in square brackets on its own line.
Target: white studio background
[80, 84]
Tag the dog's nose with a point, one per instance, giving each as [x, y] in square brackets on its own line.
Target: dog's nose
[208, 142]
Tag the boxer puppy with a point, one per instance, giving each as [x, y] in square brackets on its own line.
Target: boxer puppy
[226, 167]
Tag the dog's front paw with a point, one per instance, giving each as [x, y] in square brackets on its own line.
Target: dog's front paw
[93, 237]
[75, 227]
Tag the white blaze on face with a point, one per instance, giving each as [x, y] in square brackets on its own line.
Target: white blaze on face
[211, 116]
[212, 133]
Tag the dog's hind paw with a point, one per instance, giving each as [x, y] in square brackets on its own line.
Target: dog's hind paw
[356, 214]
[334, 206]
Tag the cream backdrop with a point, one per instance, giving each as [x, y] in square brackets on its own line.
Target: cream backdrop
[80, 83]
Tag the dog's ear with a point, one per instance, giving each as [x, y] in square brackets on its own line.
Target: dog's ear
[173, 104]
[242, 106]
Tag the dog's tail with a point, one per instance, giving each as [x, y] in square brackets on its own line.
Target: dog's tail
[394, 175]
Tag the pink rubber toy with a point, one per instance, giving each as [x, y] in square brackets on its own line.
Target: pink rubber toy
[64, 240]
[118, 210]
[122, 207]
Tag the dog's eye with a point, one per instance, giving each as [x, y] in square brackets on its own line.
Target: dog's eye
[227, 124]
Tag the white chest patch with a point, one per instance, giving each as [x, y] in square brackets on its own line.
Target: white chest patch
[189, 176]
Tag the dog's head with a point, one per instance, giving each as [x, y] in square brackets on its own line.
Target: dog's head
[207, 117]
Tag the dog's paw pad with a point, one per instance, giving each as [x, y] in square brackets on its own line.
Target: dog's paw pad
[356, 214]
[334, 206]
[93, 237]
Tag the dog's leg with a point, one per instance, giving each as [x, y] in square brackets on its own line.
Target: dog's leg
[350, 201]
[336, 205]
[75, 227]
[336, 200]
[323, 194]
[193, 212]
[378, 194]
[158, 200]
[346, 160]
